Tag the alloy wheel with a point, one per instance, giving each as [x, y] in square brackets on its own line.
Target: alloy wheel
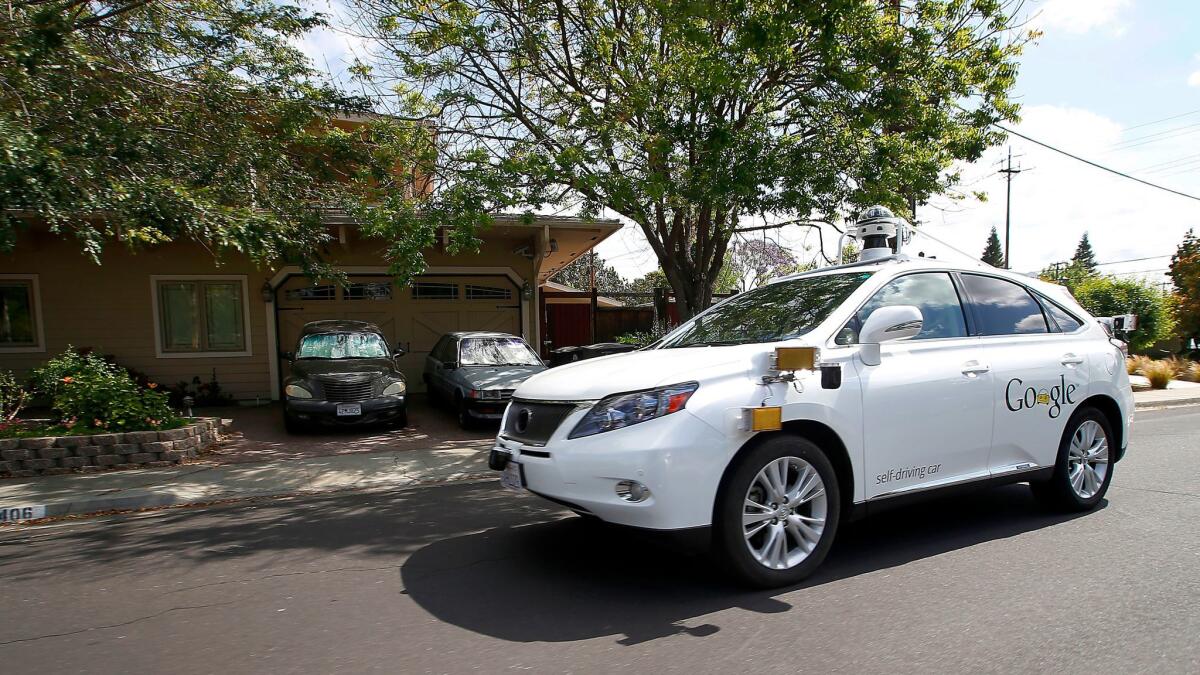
[1087, 459]
[783, 514]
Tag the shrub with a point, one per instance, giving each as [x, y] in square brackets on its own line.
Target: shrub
[1193, 372]
[643, 338]
[12, 397]
[86, 390]
[1135, 364]
[1160, 373]
[1110, 296]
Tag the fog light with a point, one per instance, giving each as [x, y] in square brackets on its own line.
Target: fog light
[632, 491]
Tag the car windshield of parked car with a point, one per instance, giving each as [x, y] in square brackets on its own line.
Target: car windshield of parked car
[772, 313]
[342, 346]
[497, 352]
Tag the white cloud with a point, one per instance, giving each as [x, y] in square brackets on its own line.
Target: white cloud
[1079, 16]
[1194, 79]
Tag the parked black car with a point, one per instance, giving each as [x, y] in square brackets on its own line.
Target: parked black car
[343, 373]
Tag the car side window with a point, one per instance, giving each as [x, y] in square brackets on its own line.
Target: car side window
[1067, 323]
[1003, 307]
[439, 350]
[932, 292]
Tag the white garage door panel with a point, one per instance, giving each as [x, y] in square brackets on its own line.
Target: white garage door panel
[415, 324]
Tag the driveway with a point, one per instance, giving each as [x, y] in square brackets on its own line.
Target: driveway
[258, 435]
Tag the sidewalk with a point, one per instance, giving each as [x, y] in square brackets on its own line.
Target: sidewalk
[198, 484]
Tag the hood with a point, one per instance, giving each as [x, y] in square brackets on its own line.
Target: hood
[596, 378]
[498, 377]
[334, 367]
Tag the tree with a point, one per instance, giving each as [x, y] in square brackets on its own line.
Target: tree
[578, 274]
[687, 117]
[1185, 272]
[1070, 275]
[650, 281]
[1111, 296]
[992, 253]
[754, 262]
[1084, 256]
[143, 122]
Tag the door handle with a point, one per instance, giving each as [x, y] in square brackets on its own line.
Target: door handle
[1071, 360]
[975, 368]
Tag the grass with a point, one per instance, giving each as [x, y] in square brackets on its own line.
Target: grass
[1160, 373]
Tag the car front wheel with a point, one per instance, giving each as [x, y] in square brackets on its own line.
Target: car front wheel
[1083, 469]
[778, 512]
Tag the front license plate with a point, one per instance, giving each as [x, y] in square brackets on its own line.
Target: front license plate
[511, 477]
[348, 409]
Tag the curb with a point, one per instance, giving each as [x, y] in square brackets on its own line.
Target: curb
[1167, 403]
[145, 502]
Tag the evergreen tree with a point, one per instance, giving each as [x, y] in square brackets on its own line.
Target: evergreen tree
[1084, 256]
[1185, 272]
[992, 253]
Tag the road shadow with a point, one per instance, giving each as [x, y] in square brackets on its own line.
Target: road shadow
[573, 579]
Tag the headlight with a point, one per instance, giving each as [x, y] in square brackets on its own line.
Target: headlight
[296, 391]
[623, 410]
[395, 389]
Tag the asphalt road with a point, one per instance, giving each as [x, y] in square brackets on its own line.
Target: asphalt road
[466, 578]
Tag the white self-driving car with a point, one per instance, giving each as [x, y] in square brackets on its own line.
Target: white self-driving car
[783, 411]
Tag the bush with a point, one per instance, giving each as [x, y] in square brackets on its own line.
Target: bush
[643, 338]
[1135, 364]
[1109, 296]
[13, 397]
[88, 391]
[1160, 373]
[1193, 372]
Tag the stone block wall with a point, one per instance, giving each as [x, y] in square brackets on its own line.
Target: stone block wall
[53, 455]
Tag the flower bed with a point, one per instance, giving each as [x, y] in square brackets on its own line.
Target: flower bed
[52, 455]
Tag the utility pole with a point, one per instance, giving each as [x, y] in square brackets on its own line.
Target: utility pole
[592, 296]
[1008, 171]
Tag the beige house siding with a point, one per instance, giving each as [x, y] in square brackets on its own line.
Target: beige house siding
[110, 307]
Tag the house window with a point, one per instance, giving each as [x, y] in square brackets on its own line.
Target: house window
[321, 292]
[201, 315]
[434, 290]
[369, 291]
[20, 324]
[488, 293]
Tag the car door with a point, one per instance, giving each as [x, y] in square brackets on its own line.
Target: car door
[927, 406]
[1040, 372]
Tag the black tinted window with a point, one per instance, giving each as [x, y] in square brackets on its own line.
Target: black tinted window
[1066, 321]
[933, 293]
[1004, 308]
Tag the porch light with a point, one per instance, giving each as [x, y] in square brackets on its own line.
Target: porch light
[268, 293]
[526, 291]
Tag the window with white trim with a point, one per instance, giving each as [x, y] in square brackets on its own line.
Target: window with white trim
[318, 292]
[369, 291]
[201, 315]
[18, 313]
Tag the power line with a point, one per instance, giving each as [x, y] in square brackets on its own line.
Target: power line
[1118, 262]
[1165, 119]
[1091, 163]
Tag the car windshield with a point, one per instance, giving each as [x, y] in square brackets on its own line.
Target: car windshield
[342, 346]
[772, 313]
[497, 352]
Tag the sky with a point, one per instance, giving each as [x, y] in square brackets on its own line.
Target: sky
[1116, 82]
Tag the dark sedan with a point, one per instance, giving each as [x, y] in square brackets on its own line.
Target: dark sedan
[342, 373]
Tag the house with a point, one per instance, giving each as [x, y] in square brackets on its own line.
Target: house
[174, 313]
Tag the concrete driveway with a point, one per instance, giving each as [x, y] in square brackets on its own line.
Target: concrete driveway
[258, 435]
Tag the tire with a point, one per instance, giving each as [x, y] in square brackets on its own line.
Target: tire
[802, 552]
[464, 416]
[1088, 435]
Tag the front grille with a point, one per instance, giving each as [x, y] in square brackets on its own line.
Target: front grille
[346, 390]
[534, 423]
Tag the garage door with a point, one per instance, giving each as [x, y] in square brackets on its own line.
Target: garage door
[414, 316]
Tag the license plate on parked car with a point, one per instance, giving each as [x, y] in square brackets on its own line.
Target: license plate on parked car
[349, 409]
[511, 477]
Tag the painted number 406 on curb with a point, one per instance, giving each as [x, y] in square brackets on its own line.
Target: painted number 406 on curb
[12, 514]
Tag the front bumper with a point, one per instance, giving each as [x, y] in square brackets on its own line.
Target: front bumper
[375, 410]
[486, 408]
[678, 457]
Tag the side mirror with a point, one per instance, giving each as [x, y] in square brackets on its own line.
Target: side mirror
[398, 352]
[287, 356]
[888, 324]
